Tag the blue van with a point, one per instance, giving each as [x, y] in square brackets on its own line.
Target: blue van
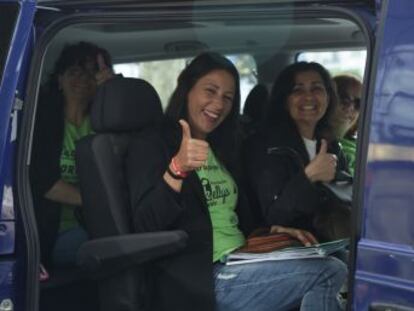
[153, 40]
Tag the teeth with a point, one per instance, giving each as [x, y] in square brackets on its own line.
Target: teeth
[211, 114]
[308, 107]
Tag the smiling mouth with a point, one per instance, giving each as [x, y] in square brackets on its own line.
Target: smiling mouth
[211, 115]
[307, 108]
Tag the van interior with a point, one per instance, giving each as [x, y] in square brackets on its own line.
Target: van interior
[155, 43]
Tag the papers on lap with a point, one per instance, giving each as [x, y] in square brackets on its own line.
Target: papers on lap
[314, 251]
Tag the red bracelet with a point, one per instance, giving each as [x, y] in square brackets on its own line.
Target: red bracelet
[177, 170]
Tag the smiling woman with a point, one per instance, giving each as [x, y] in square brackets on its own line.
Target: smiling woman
[189, 182]
[63, 119]
[286, 184]
[345, 119]
[212, 98]
[307, 102]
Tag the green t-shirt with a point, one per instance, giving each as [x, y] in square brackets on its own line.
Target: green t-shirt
[72, 133]
[349, 149]
[221, 195]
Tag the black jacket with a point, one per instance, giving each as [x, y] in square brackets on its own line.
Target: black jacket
[274, 162]
[183, 281]
[45, 169]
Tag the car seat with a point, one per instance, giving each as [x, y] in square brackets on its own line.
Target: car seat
[115, 256]
[253, 109]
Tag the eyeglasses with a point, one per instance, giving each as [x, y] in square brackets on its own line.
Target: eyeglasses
[348, 101]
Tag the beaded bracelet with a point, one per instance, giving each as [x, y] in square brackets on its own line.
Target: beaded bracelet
[175, 171]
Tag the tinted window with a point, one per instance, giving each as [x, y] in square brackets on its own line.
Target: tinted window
[163, 74]
[338, 62]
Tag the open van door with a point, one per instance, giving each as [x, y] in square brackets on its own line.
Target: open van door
[16, 20]
[384, 278]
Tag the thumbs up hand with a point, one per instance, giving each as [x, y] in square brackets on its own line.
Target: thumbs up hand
[323, 166]
[104, 72]
[193, 152]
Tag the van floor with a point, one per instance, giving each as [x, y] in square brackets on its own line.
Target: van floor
[68, 289]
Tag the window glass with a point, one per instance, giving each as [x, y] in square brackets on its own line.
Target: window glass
[8, 15]
[163, 74]
[338, 62]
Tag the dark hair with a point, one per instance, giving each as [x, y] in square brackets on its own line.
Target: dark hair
[277, 111]
[223, 138]
[80, 54]
[343, 84]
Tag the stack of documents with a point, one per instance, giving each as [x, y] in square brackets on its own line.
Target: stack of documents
[314, 251]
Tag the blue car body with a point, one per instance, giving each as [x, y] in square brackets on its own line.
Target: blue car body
[383, 267]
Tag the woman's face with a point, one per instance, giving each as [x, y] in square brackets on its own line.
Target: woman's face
[209, 102]
[78, 82]
[347, 111]
[308, 100]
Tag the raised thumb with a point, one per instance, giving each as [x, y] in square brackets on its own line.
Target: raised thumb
[186, 129]
[101, 62]
[324, 147]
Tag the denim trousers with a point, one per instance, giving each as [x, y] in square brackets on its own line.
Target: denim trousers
[311, 284]
[67, 245]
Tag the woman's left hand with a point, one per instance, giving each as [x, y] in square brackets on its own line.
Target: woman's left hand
[104, 72]
[303, 236]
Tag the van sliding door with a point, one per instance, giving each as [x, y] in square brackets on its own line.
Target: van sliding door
[16, 19]
[384, 278]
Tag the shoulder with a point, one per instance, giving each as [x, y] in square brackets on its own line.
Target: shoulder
[160, 139]
[348, 143]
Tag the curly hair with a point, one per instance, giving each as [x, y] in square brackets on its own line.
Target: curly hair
[80, 54]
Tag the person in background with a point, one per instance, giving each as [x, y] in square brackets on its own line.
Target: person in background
[184, 176]
[61, 119]
[345, 118]
[295, 152]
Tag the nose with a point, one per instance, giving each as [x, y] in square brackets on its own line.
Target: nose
[219, 101]
[348, 107]
[308, 93]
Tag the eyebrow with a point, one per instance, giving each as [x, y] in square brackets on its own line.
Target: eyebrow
[312, 82]
[213, 84]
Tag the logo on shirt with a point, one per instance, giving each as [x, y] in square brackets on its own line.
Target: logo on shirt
[215, 191]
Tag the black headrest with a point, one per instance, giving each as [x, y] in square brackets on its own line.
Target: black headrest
[125, 104]
[253, 105]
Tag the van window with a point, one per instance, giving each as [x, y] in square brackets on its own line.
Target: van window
[163, 74]
[338, 62]
[8, 15]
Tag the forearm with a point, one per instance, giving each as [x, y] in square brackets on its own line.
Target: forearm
[156, 207]
[65, 193]
[293, 198]
[175, 184]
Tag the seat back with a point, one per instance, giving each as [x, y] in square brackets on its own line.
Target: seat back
[253, 110]
[255, 101]
[122, 108]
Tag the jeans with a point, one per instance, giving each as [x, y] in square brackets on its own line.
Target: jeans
[312, 284]
[67, 245]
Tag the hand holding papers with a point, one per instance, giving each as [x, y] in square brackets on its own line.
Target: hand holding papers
[314, 251]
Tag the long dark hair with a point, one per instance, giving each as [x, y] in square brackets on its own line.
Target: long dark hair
[223, 139]
[277, 111]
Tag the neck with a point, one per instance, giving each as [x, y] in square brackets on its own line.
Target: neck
[196, 134]
[199, 136]
[75, 111]
[306, 130]
[340, 132]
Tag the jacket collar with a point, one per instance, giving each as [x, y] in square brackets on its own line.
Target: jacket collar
[288, 137]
